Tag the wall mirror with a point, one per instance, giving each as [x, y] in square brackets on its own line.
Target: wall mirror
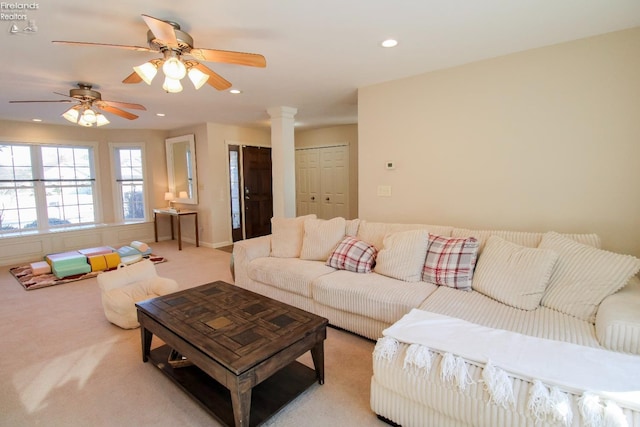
[181, 169]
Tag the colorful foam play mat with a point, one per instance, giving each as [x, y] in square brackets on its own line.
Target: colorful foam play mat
[71, 266]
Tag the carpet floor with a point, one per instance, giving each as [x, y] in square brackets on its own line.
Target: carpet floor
[66, 365]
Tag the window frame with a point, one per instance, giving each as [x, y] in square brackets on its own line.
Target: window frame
[118, 207]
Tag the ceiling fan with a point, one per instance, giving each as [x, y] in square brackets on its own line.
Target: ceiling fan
[86, 100]
[179, 57]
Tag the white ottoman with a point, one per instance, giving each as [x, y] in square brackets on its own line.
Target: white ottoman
[124, 287]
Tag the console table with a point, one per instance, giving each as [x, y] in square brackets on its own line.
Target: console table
[178, 214]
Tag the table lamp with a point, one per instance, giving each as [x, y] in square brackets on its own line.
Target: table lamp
[183, 195]
[168, 196]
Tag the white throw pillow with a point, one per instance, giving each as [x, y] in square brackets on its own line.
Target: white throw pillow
[402, 255]
[286, 236]
[321, 237]
[512, 274]
[584, 276]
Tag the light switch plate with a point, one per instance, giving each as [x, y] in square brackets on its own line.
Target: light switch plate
[384, 190]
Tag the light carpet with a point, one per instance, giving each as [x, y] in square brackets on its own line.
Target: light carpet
[64, 364]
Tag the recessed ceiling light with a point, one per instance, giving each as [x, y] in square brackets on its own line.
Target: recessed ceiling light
[389, 43]
[160, 114]
[36, 120]
[235, 91]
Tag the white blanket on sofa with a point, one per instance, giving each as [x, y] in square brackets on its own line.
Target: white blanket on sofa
[571, 367]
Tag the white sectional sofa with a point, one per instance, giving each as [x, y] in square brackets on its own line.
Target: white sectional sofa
[558, 299]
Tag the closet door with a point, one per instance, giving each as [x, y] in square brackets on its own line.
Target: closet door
[334, 187]
[322, 181]
[307, 181]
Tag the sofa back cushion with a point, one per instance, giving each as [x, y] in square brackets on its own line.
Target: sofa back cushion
[286, 236]
[402, 255]
[450, 261]
[321, 236]
[584, 276]
[513, 274]
[522, 238]
[375, 232]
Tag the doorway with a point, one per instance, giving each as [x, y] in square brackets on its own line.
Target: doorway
[251, 191]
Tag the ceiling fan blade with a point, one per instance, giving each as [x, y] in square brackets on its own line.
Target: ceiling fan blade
[229, 57]
[119, 46]
[215, 79]
[163, 31]
[119, 104]
[116, 111]
[132, 78]
[59, 100]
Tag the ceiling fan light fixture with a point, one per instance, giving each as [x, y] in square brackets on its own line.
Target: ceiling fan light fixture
[89, 116]
[174, 68]
[197, 77]
[71, 114]
[146, 71]
[101, 120]
[172, 85]
[83, 122]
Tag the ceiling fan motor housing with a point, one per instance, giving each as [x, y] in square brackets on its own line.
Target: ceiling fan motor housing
[185, 41]
[85, 93]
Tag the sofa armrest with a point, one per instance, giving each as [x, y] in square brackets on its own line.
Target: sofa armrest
[618, 319]
[244, 251]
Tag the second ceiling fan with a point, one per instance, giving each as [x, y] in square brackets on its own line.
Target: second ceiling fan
[179, 57]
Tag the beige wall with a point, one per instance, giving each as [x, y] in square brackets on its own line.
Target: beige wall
[214, 204]
[331, 136]
[539, 140]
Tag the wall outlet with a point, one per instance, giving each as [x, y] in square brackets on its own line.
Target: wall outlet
[384, 190]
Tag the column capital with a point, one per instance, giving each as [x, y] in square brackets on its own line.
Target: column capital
[286, 112]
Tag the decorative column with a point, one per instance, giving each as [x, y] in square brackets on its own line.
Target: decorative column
[283, 161]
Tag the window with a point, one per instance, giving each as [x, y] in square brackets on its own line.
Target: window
[44, 187]
[129, 172]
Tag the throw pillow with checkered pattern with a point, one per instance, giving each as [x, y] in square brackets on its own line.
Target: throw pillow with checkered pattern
[450, 261]
[353, 255]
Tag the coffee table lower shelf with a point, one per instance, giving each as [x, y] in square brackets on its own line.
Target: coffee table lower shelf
[267, 398]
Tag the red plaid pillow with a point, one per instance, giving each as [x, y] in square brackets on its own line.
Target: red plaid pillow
[353, 255]
[450, 261]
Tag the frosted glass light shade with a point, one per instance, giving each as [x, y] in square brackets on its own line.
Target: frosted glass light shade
[174, 68]
[71, 114]
[89, 116]
[101, 120]
[198, 78]
[146, 71]
[172, 85]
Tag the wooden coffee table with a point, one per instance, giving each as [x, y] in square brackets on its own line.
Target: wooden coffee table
[242, 345]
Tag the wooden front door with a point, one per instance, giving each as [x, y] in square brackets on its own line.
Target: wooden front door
[258, 196]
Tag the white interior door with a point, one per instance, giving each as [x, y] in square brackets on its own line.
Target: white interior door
[322, 181]
[307, 181]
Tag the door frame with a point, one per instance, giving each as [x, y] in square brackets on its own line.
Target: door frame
[227, 143]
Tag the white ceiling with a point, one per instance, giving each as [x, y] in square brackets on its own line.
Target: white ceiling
[318, 52]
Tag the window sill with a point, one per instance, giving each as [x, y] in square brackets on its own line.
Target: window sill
[26, 233]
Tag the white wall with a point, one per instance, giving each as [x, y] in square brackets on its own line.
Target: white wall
[539, 140]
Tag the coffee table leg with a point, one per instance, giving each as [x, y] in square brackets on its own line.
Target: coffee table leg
[145, 336]
[241, 401]
[317, 354]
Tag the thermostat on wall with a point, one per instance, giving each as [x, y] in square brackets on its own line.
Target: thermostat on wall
[389, 165]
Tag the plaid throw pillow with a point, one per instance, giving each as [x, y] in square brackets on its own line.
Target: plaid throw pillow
[353, 255]
[450, 261]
